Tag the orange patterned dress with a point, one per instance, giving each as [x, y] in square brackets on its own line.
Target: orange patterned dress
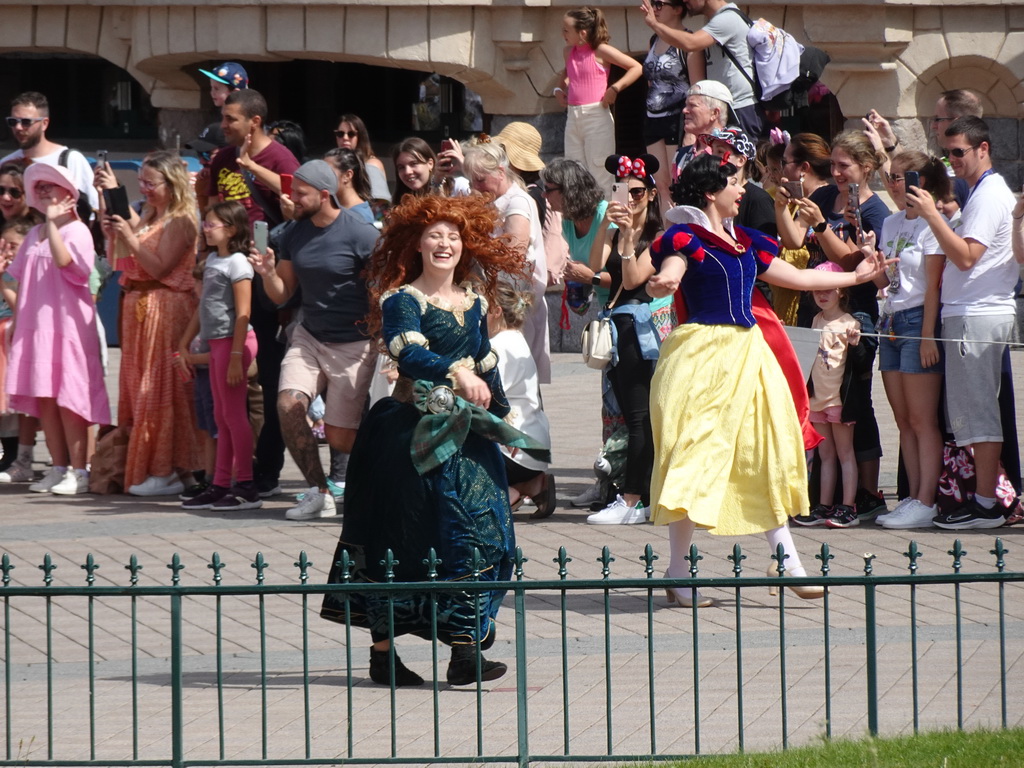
[154, 400]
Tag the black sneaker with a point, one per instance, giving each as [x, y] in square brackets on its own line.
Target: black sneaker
[817, 516]
[206, 499]
[194, 490]
[267, 487]
[843, 516]
[241, 496]
[971, 515]
[869, 504]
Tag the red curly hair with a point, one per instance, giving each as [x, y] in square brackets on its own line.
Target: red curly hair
[396, 260]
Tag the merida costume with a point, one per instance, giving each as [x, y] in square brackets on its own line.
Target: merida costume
[426, 471]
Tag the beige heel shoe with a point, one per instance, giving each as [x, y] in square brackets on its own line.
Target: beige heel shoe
[686, 600]
[805, 592]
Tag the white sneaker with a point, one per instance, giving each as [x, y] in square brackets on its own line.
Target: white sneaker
[913, 515]
[53, 476]
[314, 504]
[19, 472]
[588, 497]
[894, 510]
[158, 486]
[74, 483]
[619, 513]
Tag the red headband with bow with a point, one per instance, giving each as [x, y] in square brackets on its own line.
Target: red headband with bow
[629, 167]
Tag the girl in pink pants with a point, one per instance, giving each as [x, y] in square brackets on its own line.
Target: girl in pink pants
[222, 321]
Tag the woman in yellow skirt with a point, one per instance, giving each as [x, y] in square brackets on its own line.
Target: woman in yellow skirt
[729, 453]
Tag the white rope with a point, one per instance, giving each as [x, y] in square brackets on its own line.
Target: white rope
[926, 338]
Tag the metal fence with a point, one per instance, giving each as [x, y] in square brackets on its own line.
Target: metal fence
[236, 674]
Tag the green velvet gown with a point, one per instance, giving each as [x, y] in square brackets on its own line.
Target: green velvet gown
[459, 507]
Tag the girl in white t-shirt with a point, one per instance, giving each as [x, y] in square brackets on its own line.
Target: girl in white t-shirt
[911, 360]
[222, 321]
[526, 476]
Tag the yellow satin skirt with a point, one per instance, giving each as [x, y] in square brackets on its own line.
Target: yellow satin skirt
[728, 452]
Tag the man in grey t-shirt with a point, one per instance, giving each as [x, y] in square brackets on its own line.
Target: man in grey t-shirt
[323, 253]
[723, 27]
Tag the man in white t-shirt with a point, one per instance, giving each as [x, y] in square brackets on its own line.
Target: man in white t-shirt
[28, 121]
[978, 311]
[724, 27]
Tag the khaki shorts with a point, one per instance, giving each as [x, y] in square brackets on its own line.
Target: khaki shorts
[343, 369]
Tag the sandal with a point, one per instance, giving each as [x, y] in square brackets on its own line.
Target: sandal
[547, 501]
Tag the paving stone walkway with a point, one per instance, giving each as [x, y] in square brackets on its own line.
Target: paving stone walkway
[589, 690]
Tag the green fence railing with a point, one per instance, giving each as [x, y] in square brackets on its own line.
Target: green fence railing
[225, 674]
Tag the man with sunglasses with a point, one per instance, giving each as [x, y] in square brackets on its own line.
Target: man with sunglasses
[978, 311]
[28, 121]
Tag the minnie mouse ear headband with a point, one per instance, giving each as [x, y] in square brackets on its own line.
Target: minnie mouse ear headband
[643, 167]
[734, 137]
[778, 136]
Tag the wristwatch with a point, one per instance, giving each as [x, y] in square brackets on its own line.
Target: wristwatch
[595, 280]
[819, 228]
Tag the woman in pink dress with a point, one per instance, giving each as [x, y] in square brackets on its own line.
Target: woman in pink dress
[55, 371]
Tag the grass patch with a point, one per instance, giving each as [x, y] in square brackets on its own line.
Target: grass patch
[943, 749]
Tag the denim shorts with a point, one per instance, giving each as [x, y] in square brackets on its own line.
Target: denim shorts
[904, 355]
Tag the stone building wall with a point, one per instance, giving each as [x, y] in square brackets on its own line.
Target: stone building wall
[893, 55]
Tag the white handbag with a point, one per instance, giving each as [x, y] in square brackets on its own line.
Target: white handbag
[596, 342]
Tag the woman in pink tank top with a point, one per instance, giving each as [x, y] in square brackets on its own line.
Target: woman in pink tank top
[584, 89]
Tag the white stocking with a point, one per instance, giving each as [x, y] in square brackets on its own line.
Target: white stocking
[680, 534]
[781, 535]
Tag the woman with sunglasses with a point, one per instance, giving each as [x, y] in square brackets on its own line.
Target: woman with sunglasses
[156, 253]
[622, 249]
[13, 202]
[351, 134]
[669, 73]
[15, 216]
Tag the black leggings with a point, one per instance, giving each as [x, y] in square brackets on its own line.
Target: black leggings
[631, 382]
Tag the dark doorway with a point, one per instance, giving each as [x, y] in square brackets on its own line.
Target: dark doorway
[90, 98]
[394, 103]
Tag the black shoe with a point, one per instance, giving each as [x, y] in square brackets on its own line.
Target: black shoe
[817, 516]
[10, 447]
[194, 490]
[380, 670]
[462, 667]
[869, 504]
[971, 515]
[267, 487]
[843, 516]
[240, 496]
[206, 499]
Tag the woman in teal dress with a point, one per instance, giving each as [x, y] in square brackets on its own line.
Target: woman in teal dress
[425, 471]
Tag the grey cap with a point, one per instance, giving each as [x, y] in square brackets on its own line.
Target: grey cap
[320, 175]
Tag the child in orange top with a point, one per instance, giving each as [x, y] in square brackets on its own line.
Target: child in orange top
[584, 89]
